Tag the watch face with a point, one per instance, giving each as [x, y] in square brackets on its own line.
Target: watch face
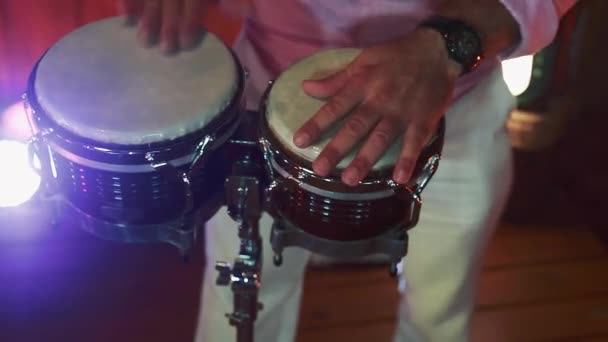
[465, 45]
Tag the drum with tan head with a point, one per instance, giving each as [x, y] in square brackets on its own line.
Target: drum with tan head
[128, 136]
[322, 214]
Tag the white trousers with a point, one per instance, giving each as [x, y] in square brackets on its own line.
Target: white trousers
[462, 205]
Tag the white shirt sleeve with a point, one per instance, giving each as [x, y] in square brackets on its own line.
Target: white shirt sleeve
[538, 22]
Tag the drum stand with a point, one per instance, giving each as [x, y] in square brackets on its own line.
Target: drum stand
[244, 201]
[392, 244]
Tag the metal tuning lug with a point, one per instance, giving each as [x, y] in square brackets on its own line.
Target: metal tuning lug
[277, 259]
[277, 241]
[394, 269]
[428, 171]
[179, 177]
[224, 277]
[201, 154]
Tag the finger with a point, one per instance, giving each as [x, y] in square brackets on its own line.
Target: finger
[356, 127]
[379, 140]
[414, 140]
[170, 26]
[132, 9]
[190, 32]
[149, 25]
[328, 86]
[335, 109]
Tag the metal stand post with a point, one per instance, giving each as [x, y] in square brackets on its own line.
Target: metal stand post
[243, 197]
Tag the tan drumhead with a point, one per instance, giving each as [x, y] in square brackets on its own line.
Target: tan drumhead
[289, 107]
[100, 83]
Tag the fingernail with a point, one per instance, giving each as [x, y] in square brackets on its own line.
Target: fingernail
[309, 87]
[321, 166]
[306, 84]
[152, 39]
[168, 47]
[190, 37]
[302, 139]
[186, 40]
[146, 39]
[351, 176]
[131, 20]
[141, 37]
[402, 176]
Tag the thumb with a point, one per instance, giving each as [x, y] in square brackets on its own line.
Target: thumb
[326, 87]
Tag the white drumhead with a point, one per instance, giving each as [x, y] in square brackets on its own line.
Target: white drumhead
[99, 83]
[289, 107]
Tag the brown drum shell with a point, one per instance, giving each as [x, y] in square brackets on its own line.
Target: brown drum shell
[340, 220]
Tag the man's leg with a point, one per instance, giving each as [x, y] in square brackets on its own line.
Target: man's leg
[280, 292]
[462, 205]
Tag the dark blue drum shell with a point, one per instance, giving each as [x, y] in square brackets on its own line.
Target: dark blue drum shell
[136, 198]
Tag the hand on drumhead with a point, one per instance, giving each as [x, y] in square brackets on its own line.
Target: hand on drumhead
[398, 88]
[173, 23]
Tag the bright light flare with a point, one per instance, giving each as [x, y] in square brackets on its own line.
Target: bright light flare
[18, 181]
[14, 124]
[517, 73]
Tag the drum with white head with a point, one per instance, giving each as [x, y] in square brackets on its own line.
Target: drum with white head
[322, 214]
[129, 136]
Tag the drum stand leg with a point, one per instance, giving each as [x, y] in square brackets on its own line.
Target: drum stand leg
[244, 206]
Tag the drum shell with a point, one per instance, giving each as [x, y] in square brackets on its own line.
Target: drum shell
[341, 220]
[135, 198]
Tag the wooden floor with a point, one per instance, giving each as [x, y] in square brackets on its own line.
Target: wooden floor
[540, 283]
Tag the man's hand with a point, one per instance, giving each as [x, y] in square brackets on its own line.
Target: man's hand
[401, 87]
[175, 23]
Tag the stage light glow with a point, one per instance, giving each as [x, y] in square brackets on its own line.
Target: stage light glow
[18, 181]
[517, 73]
[14, 124]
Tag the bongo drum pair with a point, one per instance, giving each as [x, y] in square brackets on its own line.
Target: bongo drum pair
[141, 147]
[136, 143]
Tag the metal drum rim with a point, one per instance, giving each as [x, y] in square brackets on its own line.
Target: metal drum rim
[54, 134]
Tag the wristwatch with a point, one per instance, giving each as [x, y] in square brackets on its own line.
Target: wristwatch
[463, 42]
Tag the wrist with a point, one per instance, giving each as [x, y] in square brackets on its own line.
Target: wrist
[462, 42]
[437, 44]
